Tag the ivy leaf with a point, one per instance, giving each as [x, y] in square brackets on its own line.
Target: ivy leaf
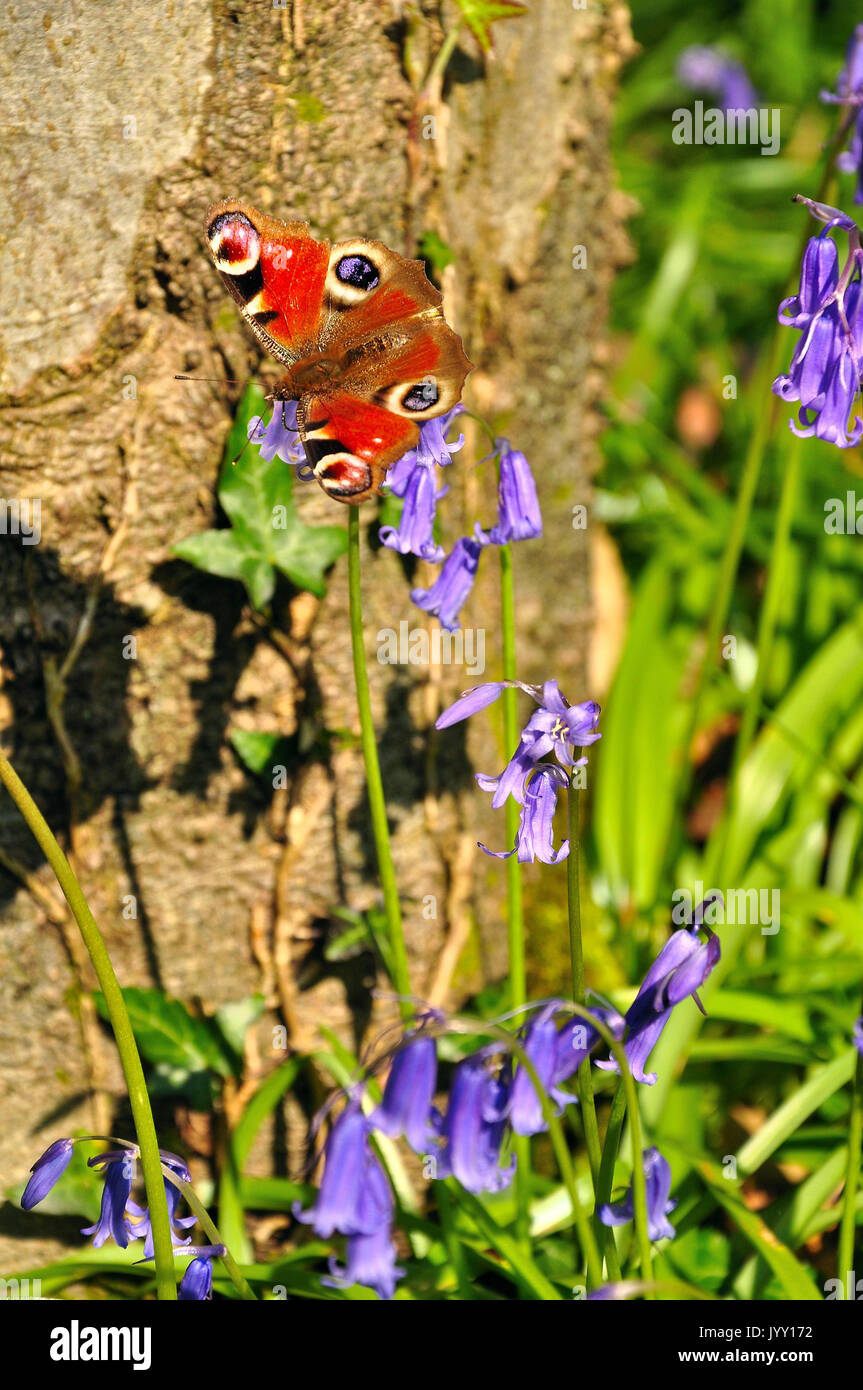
[169, 1036]
[266, 533]
[479, 15]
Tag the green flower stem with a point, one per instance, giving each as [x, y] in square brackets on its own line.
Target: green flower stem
[847, 1226]
[212, 1232]
[613, 1131]
[576, 952]
[123, 1034]
[374, 785]
[515, 901]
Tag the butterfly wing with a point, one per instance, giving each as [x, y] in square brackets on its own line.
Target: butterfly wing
[412, 372]
[275, 271]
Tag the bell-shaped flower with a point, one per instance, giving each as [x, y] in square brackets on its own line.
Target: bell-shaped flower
[407, 1105]
[474, 1127]
[657, 1177]
[46, 1171]
[680, 969]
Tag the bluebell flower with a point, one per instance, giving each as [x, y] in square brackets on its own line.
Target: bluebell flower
[824, 375]
[413, 478]
[577, 1039]
[657, 1176]
[856, 1033]
[370, 1261]
[474, 1126]
[371, 1256]
[139, 1225]
[541, 1042]
[680, 969]
[518, 514]
[351, 1199]
[406, 1107]
[703, 68]
[450, 590]
[414, 534]
[849, 94]
[119, 1169]
[279, 438]
[557, 727]
[46, 1171]
[196, 1284]
[534, 838]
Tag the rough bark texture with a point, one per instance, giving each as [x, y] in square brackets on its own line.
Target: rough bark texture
[124, 123]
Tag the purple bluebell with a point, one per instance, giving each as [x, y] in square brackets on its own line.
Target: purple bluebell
[279, 438]
[370, 1261]
[407, 1106]
[856, 1034]
[657, 1176]
[824, 375]
[577, 1039]
[412, 477]
[371, 1256]
[622, 1290]
[849, 94]
[196, 1285]
[414, 534]
[680, 969]
[474, 1126]
[46, 1171]
[556, 727]
[350, 1199]
[534, 838]
[119, 1169]
[541, 1043]
[518, 514]
[450, 590]
[139, 1225]
[703, 68]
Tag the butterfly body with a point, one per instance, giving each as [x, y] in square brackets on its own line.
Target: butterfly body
[359, 331]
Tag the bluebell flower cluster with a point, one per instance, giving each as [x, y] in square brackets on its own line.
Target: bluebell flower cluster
[120, 1218]
[492, 1096]
[849, 95]
[825, 370]
[556, 728]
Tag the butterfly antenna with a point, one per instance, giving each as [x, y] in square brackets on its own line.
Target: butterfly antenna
[221, 380]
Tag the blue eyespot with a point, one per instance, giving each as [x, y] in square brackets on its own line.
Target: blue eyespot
[421, 397]
[357, 271]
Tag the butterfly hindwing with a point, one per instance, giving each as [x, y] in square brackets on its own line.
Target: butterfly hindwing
[350, 442]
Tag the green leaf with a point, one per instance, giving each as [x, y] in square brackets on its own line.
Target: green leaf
[435, 250]
[168, 1035]
[792, 1275]
[259, 751]
[266, 533]
[479, 15]
[235, 1019]
[703, 1257]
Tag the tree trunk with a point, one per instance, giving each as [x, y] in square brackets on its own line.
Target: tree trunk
[125, 123]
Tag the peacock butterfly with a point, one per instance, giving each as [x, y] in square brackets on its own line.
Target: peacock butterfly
[360, 331]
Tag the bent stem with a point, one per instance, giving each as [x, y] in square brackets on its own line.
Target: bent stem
[576, 952]
[207, 1223]
[130, 1059]
[374, 784]
[515, 902]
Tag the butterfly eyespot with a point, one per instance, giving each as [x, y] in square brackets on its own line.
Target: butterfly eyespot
[358, 271]
[421, 397]
[235, 243]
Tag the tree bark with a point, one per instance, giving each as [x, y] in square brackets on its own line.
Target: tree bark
[124, 123]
